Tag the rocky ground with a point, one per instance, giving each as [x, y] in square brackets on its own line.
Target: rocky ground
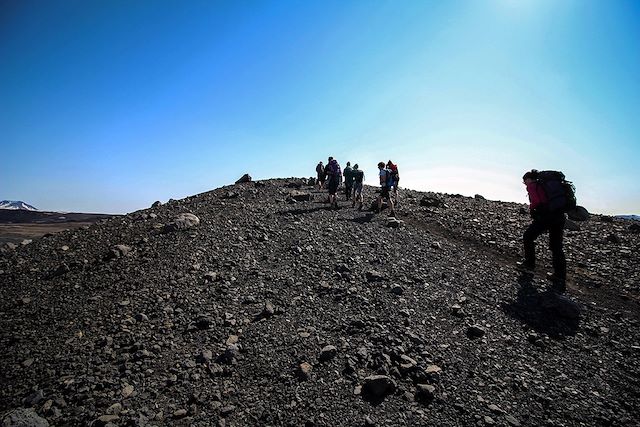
[261, 306]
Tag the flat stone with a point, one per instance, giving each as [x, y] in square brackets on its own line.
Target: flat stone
[433, 369]
[127, 391]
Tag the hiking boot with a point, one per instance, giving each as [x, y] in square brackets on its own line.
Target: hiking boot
[525, 267]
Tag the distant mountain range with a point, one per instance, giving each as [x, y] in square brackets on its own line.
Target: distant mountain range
[16, 204]
[634, 217]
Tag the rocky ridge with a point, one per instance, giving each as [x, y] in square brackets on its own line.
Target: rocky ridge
[254, 304]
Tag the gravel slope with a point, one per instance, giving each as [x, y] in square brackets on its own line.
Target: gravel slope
[272, 311]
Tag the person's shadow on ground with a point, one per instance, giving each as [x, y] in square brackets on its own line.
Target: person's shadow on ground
[545, 312]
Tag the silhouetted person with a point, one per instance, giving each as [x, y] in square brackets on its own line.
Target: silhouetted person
[321, 175]
[348, 180]
[358, 180]
[544, 219]
[334, 174]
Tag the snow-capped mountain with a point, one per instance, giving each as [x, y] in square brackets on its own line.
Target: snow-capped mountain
[16, 204]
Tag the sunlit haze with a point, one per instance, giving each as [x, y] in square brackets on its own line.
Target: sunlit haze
[109, 106]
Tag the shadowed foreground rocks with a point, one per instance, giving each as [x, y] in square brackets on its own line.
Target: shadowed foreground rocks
[255, 304]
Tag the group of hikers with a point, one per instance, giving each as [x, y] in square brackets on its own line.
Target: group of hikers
[550, 197]
[331, 177]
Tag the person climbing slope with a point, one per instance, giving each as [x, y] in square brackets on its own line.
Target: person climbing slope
[358, 182]
[545, 218]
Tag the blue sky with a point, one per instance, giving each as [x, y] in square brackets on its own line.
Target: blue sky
[108, 106]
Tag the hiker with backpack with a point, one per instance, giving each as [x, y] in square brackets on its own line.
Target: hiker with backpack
[550, 196]
[395, 176]
[348, 180]
[321, 176]
[358, 180]
[334, 174]
[386, 182]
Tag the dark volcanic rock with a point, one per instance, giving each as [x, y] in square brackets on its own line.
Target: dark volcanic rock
[23, 418]
[244, 178]
[300, 196]
[431, 202]
[475, 331]
[579, 214]
[268, 312]
[378, 386]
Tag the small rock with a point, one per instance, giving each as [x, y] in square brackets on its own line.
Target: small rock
[244, 178]
[184, 221]
[127, 391]
[407, 363]
[203, 323]
[495, 408]
[141, 317]
[267, 310]
[210, 276]
[34, 398]
[114, 409]
[578, 214]
[378, 386]
[59, 271]
[397, 289]
[479, 197]
[374, 276]
[475, 331]
[488, 420]
[327, 353]
[613, 238]
[392, 222]
[425, 391]
[24, 418]
[433, 369]
[431, 202]
[227, 410]
[230, 354]
[180, 413]
[512, 421]
[156, 204]
[205, 356]
[304, 371]
[300, 196]
[107, 420]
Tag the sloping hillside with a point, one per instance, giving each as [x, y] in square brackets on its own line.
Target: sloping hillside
[273, 311]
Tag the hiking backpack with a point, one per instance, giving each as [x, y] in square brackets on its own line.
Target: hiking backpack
[389, 178]
[560, 193]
